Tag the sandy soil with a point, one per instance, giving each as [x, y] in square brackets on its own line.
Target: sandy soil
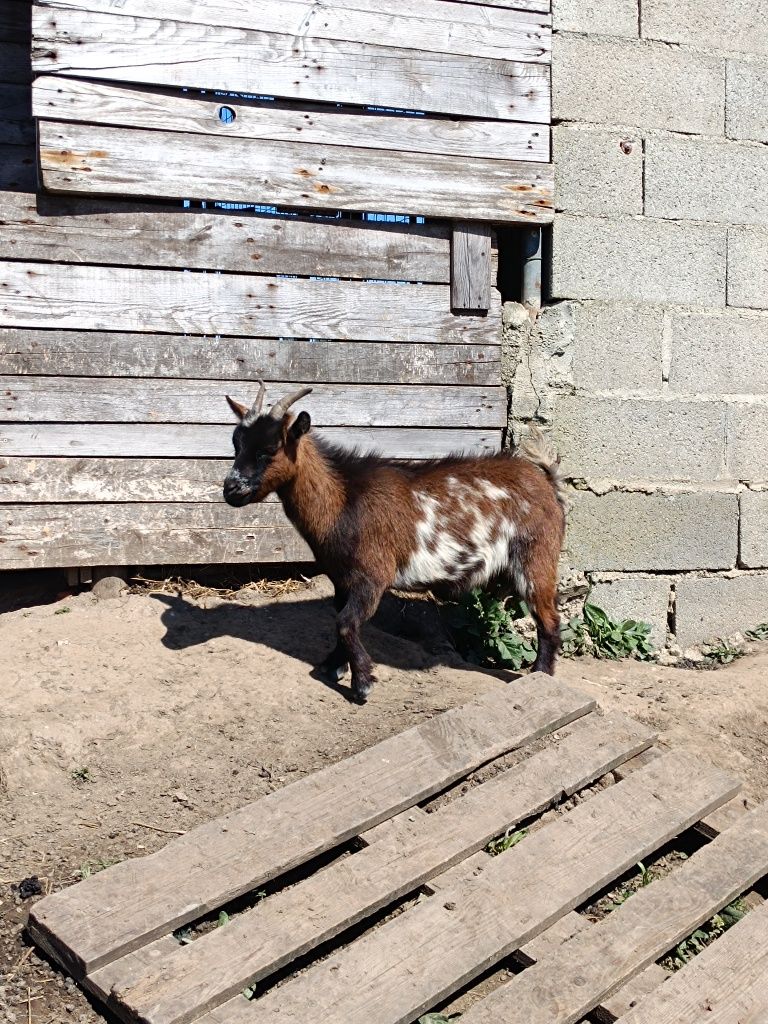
[126, 719]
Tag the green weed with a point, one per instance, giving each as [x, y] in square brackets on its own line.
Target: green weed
[506, 842]
[596, 633]
[86, 870]
[758, 633]
[704, 936]
[62, 611]
[81, 775]
[722, 652]
[438, 1018]
[484, 633]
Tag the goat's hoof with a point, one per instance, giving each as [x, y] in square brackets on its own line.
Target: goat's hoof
[361, 691]
[332, 671]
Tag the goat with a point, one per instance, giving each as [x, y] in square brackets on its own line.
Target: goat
[446, 525]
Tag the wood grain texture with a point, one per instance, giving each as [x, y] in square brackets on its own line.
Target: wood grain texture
[629, 995]
[403, 856]
[125, 906]
[544, 6]
[27, 399]
[432, 25]
[101, 354]
[94, 159]
[44, 536]
[566, 987]
[114, 298]
[413, 962]
[725, 984]
[56, 98]
[68, 230]
[158, 52]
[471, 284]
[164, 440]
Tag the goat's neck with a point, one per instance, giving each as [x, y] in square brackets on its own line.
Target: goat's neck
[314, 498]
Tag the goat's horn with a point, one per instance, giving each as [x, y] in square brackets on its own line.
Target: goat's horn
[279, 409]
[256, 407]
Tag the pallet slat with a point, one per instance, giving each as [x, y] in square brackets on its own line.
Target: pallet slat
[725, 984]
[407, 853]
[186, 440]
[56, 98]
[121, 908]
[25, 399]
[471, 285]
[63, 229]
[94, 159]
[568, 985]
[101, 354]
[169, 53]
[104, 298]
[416, 960]
[434, 25]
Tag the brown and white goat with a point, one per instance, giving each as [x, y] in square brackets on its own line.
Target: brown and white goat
[372, 523]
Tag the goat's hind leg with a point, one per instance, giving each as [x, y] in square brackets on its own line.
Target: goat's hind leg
[547, 618]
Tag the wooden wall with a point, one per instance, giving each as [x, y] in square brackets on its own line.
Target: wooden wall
[125, 317]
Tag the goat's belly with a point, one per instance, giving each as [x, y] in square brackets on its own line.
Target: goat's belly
[441, 558]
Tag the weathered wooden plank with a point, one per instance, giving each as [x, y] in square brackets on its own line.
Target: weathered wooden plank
[123, 907]
[435, 26]
[191, 980]
[16, 125]
[189, 441]
[471, 285]
[544, 6]
[68, 230]
[18, 167]
[419, 958]
[56, 98]
[15, 41]
[42, 536]
[725, 984]
[157, 52]
[94, 159]
[56, 480]
[114, 298]
[629, 995]
[100, 354]
[597, 961]
[27, 399]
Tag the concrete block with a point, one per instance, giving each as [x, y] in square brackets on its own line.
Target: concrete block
[637, 84]
[622, 531]
[614, 345]
[746, 100]
[720, 353]
[748, 268]
[748, 442]
[738, 25]
[640, 439]
[719, 606]
[638, 261]
[753, 536]
[601, 17]
[643, 598]
[693, 179]
[597, 171]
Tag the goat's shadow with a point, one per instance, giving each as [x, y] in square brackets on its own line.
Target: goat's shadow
[406, 635]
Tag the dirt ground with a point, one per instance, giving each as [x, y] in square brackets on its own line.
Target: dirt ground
[127, 719]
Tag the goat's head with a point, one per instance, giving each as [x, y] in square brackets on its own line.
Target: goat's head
[266, 445]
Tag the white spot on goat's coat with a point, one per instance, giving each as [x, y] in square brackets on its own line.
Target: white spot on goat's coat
[441, 555]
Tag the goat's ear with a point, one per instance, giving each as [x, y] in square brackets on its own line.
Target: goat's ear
[238, 409]
[300, 425]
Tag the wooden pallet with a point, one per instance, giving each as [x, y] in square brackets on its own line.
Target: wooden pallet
[345, 940]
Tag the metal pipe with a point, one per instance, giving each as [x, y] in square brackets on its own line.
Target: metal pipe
[532, 272]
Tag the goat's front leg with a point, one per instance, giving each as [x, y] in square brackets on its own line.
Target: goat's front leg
[336, 664]
[363, 600]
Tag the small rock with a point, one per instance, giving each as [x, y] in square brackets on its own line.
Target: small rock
[108, 588]
[694, 654]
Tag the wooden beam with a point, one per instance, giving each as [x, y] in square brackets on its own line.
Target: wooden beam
[170, 301]
[63, 229]
[471, 284]
[56, 98]
[94, 159]
[432, 26]
[26, 399]
[172, 53]
[184, 440]
[104, 354]
[217, 861]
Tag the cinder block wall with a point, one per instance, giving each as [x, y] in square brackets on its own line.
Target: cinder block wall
[652, 360]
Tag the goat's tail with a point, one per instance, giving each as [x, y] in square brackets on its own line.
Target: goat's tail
[538, 450]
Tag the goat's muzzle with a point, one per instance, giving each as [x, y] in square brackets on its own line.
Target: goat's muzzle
[237, 491]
